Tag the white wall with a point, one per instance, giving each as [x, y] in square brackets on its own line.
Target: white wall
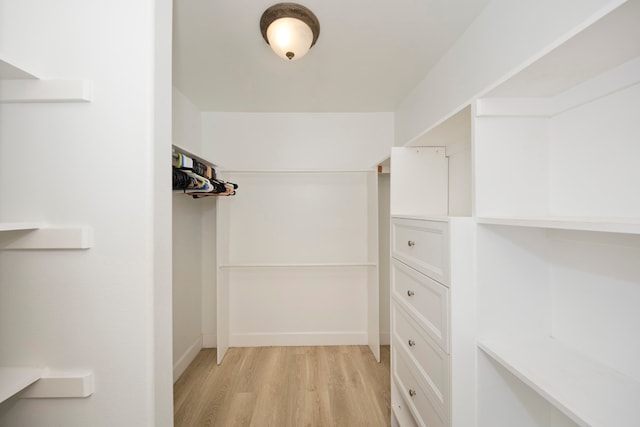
[187, 123]
[98, 309]
[496, 46]
[297, 140]
[193, 244]
[297, 218]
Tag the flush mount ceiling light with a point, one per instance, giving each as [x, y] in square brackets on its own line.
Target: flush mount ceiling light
[290, 29]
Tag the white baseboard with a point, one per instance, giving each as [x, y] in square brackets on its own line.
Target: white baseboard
[298, 339]
[209, 341]
[187, 357]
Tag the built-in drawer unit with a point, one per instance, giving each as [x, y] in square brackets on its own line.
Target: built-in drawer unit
[426, 299]
[413, 390]
[423, 245]
[431, 361]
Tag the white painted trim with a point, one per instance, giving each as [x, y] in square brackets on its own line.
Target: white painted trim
[298, 339]
[21, 91]
[209, 341]
[49, 238]
[187, 357]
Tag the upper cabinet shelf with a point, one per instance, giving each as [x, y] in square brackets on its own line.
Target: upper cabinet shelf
[612, 225]
[605, 45]
[17, 85]
[556, 146]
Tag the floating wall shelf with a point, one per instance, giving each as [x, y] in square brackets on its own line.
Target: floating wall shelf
[42, 383]
[17, 85]
[13, 380]
[29, 236]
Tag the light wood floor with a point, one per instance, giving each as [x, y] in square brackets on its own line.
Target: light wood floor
[341, 386]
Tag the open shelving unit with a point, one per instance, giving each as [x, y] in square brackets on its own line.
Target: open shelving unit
[588, 392]
[609, 225]
[558, 238]
[20, 85]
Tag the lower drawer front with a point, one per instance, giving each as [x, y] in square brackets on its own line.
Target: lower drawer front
[427, 299]
[414, 392]
[426, 355]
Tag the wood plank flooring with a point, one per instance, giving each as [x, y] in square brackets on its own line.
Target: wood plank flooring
[341, 386]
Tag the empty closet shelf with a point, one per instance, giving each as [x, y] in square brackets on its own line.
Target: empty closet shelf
[588, 392]
[13, 380]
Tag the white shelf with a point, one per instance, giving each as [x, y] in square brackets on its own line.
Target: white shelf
[15, 226]
[301, 265]
[64, 384]
[10, 70]
[438, 218]
[47, 237]
[17, 85]
[32, 91]
[589, 393]
[610, 225]
[192, 155]
[13, 380]
[606, 44]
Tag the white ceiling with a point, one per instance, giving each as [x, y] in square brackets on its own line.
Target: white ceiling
[369, 55]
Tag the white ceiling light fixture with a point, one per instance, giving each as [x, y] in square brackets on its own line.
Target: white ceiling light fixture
[290, 29]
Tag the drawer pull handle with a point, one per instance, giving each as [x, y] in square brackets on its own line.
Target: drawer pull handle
[412, 392]
[410, 293]
[411, 243]
[412, 343]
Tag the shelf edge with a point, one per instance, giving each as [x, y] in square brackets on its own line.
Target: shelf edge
[61, 385]
[48, 238]
[45, 91]
[577, 224]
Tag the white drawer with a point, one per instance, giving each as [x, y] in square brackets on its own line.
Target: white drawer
[413, 391]
[426, 355]
[424, 245]
[425, 298]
